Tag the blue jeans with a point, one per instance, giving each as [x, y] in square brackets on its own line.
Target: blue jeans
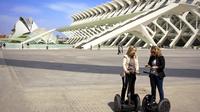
[156, 81]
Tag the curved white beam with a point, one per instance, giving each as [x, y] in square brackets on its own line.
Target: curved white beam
[38, 36]
[85, 15]
[92, 12]
[96, 11]
[100, 9]
[80, 16]
[105, 8]
[130, 2]
[111, 7]
[77, 17]
[88, 13]
[122, 3]
[116, 5]
[74, 18]
[137, 1]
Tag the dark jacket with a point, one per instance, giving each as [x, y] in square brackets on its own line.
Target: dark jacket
[160, 62]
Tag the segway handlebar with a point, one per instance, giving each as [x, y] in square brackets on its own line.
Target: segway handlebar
[146, 72]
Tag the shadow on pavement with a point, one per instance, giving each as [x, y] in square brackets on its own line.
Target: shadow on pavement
[171, 72]
[111, 105]
[63, 66]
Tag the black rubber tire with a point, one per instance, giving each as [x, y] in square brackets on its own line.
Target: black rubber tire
[145, 101]
[117, 103]
[164, 106]
[137, 102]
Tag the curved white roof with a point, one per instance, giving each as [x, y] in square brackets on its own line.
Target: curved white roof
[105, 8]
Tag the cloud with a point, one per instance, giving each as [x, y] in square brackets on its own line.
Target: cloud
[7, 23]
[6, 18]
[26, 9]
[68, 7]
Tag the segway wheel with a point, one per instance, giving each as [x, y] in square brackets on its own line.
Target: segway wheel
[145, 102]
[164, 106]
[117, 103]
[137, 102]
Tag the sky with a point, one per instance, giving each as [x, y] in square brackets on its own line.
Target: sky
[47, 14]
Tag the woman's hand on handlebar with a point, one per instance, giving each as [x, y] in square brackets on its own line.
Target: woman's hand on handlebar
[127, 72]
[152, 67]
[137, 73]
[147, 66]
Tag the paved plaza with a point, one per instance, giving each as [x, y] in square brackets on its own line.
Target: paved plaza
[73, 80]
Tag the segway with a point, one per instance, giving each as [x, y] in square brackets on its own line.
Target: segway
[131, 104]
[150, 105]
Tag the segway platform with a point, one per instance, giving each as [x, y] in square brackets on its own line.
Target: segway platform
[149, 106]
[132, 105]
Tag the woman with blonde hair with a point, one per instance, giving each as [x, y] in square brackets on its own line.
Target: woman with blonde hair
[157, 65]
[130, 67]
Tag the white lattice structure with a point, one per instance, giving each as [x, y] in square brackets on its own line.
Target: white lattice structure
[171, 23]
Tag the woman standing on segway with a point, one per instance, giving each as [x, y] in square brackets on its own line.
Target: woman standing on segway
[130, 67]
[157, 65]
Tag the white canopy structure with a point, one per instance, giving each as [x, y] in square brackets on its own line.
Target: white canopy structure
[26, 31]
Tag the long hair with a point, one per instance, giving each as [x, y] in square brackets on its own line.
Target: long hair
[157, 50]
[130, 49]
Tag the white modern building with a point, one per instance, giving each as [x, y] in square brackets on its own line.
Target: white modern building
[170, 23]
[26, 31]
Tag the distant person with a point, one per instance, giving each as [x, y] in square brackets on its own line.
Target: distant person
[27, 45]
[4, 45]
[47, 47]
[0, 45]
[90, 47]
[119, 50]
[157, 65]
[130, 68]
[99, 46]
[22, 46]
